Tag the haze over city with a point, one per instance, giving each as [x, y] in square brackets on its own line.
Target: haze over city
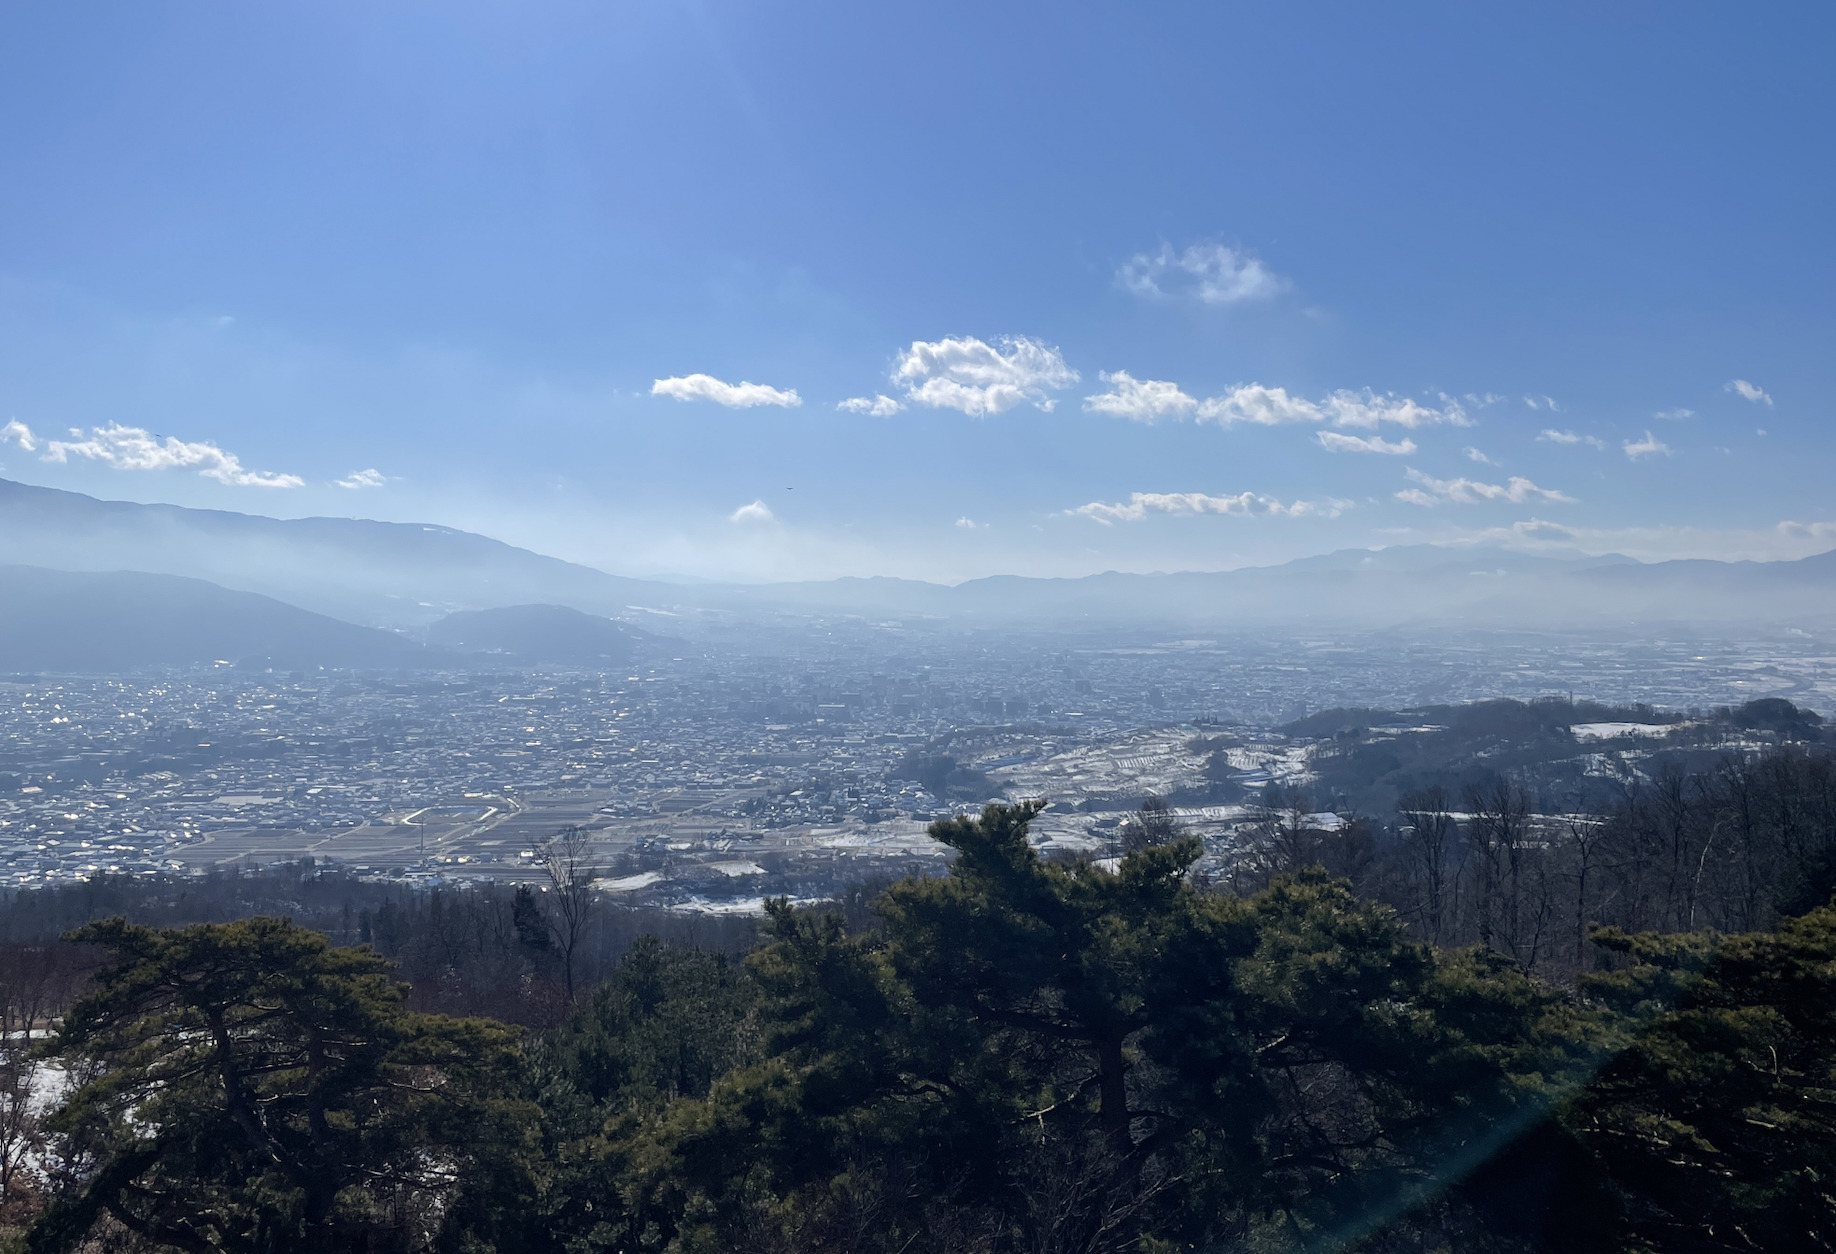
[792, 292]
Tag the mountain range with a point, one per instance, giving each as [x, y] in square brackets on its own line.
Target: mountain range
[377, 573]
[406, 577]
[109, 621]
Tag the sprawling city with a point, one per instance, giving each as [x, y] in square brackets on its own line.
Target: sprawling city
[710, 782]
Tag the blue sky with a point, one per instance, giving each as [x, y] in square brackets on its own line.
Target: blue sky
[1148, 286]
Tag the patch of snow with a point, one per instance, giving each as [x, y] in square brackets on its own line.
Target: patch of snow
[744, 905]
[628, 883]
[1612, 731]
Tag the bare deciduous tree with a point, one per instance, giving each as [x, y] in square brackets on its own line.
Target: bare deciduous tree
[566, 858]
[1430, 852]
[1152, 825]
[1500, 824]
[36, 984]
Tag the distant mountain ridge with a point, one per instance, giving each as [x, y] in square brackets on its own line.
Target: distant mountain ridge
[53, 620]
[378, 573]
[408, 575]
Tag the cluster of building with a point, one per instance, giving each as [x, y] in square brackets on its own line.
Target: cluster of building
[711, 778]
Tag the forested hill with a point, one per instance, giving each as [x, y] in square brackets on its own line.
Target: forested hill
[1441, 1047]
[1568, 753]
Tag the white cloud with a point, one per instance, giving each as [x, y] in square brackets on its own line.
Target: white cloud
[1261, 405]
[1662, 542]
[1143, 400]
[1674, 415]
[1537, 529]
[1543, 402]
[134, 448]
[1243, 505]
[757, 512]
[1474, 455]
[742, 395]
[879, 405]
[1212, 274]
[1807, 531]
[1267, 406]
[1783, 541]
[1432, 491]
[1333, 441]
[363, 479]
[1368, 409]
[18, 433]
[1483, 399]
[1549, 435]
[1749, 391]
[1264, 406]
[1648, 447]
[969, 524]
[962, 372]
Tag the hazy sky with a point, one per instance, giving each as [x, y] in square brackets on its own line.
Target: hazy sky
[773, 290]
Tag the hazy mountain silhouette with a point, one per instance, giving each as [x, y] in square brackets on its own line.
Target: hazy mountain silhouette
[1416, 584]
[406, 574]
[539, 633]
[54, 620]
[393, 574]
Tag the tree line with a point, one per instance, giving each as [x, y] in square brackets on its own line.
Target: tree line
[1485, 1024]
[1734, 846]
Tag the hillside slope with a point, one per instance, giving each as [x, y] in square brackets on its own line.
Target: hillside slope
[539, 633]
[119, 620]
[386, 574]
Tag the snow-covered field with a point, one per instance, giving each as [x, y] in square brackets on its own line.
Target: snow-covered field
[1613, 731]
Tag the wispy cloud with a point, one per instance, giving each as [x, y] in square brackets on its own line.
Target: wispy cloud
[742, 395]
[1543, 402]
[879, 405]
[1474, 455]
[1243, 505]
[756, 512]
[1433, 491]
[18, 433]
[135, 448]
[962, 372]
[359, 479]
[1270, 406]
[969, 524]
[1336, 442]
[1143, 400]
[1549, 435]
[1748, 391]
[1212, 274]
[1542, 531]
[1650, 446]
[1659, 542]
[1674, 415]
